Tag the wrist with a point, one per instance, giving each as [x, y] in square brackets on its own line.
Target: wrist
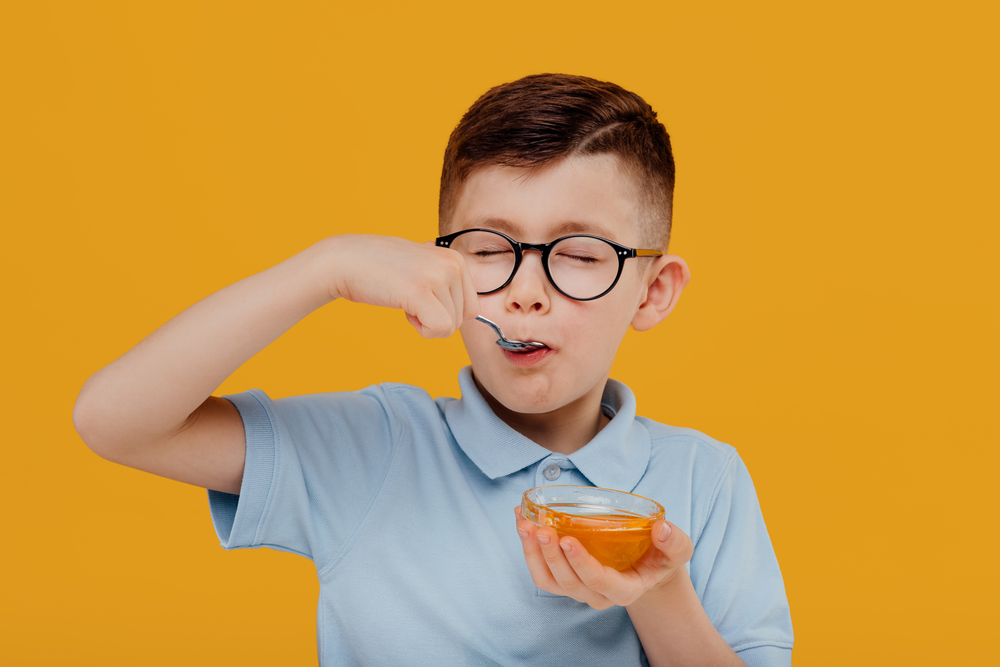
[674, 629]
[674, 589]
[326, 263]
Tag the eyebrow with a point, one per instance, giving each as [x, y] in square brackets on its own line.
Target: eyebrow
[563, 229]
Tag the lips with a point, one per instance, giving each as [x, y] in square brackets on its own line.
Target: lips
[529, 350]
[526, 359]
[527, 339]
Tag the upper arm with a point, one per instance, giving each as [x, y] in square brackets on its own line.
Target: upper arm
[208, 450]
[314, 465]
[734, 568]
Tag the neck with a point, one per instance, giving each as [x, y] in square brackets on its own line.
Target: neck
[564, 430]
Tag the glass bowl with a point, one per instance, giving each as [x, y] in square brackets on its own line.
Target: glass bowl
[613, 526]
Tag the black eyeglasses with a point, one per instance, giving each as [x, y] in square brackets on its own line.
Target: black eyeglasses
[581, 267]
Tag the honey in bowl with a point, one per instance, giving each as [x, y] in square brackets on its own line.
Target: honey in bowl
[613, 526]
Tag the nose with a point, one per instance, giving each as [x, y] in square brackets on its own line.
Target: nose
[529, 289]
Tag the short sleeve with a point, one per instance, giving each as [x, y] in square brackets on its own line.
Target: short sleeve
[314, 466]
[736, 575]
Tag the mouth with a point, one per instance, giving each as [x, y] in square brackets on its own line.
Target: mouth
[525, 359]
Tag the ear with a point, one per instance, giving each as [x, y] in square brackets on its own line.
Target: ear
[666, 279]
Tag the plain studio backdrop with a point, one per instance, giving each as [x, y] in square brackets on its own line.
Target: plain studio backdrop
[836, 200]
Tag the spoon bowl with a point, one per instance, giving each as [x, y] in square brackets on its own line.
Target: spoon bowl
[506, 343]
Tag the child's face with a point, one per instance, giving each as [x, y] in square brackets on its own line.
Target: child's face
[587, 195]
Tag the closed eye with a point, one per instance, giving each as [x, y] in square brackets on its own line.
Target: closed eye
[491, 253]
[580, 258]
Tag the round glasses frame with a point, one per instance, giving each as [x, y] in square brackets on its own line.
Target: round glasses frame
[622, 252]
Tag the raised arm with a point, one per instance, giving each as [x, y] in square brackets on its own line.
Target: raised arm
[153, 408]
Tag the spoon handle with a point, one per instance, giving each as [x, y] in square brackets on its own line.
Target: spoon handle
[493, 326]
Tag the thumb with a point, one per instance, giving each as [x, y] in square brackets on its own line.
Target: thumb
[672, 542]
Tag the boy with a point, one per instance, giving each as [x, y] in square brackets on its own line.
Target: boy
[554, 214]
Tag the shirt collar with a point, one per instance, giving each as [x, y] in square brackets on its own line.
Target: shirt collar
[615, 459]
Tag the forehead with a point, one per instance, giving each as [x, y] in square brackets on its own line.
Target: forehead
[589, 195]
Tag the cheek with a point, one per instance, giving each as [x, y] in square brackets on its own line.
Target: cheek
[612, 314]
[608, 327]
[597, 334]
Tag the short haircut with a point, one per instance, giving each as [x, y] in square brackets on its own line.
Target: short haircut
[543, 118]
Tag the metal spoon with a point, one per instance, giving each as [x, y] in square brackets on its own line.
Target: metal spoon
[512, 345]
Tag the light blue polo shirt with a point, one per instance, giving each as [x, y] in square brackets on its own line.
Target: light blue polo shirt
[406, 506]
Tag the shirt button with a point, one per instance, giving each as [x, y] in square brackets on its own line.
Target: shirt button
[552, 472]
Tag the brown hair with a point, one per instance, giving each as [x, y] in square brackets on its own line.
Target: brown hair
[543, 118]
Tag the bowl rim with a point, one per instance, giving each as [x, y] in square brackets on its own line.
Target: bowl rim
[524, 497]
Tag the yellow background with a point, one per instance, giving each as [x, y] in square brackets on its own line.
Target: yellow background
[836, 201]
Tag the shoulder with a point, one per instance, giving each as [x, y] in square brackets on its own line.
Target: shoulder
[406, 402]
[690, 469]
[400, 391]
[393, 398]
[381, 411]
[382, 392]
[677, 443]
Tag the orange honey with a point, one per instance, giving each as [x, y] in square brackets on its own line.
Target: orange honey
[615, 536]
[615, 540]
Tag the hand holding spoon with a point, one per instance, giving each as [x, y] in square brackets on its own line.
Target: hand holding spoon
[512, 345]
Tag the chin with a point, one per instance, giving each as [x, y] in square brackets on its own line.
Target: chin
[533, 393]
[527, 406]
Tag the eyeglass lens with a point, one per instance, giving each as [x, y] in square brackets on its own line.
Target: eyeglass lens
[581, 267]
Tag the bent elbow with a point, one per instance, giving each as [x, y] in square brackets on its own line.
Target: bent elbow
[90, 424]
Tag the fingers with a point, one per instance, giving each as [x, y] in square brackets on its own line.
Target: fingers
[444, 297]
[559, 567]
[563, 566]
[466, 297]
[470, 297]
[609, 586]
[587, 569]
[671, 549]
[463, 292]
[540, 573]
[432, 313]
[549, 563]
[457, 296]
